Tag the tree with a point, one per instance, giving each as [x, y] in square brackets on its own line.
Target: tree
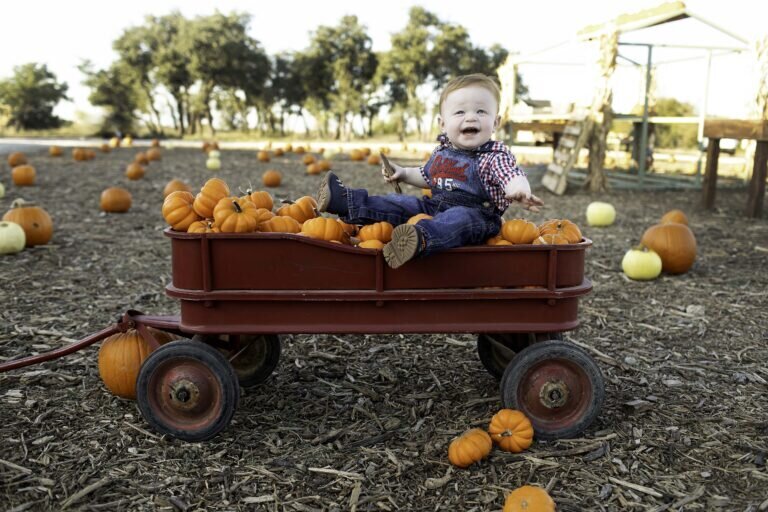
[674, 135]
[31, 95]
[115, 90]
[285, 87]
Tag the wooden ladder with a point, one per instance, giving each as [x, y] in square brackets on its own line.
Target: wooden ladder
[566, 155]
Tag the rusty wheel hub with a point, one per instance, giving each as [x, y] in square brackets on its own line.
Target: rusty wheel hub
[553, 394]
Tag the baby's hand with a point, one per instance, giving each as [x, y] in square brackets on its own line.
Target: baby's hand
[397, 175]
[518, 189]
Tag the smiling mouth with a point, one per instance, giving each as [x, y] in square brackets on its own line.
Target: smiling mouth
[470, 131]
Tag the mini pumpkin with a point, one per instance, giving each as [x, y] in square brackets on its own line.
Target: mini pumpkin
[17, 158]
[564, 227]
[178, 210]
[134, 171]
[55, 151]
[308, 159]
[154, 154]
[677, 216]
[263, 156]
[213, 191]
[551, 239]
[23, 175]
[299, 150]
[313, 169]
[155, 143]
[141, 158]
[174, 185]
[372, 244]
[203, 226]
[303, 209]
[374, 159]
[115, 200]
[278, 152]
[381, 231]
[34, 220]
[519, 231]
[271, 178]
[279, 224]
[511, 430]
[356, 155]
[323, 228]
[529, 498]
[233, 215]
[105, 148]
[260, 198]
[325, 165]
[472, 446]
[79, 155]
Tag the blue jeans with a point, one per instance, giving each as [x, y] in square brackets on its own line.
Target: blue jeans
[456, 221]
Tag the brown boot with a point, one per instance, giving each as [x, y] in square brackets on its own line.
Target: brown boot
[405, 245]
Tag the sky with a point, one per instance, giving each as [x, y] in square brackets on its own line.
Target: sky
[63, 34]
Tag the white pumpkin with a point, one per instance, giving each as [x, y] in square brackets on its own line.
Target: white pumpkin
[600, 214]
[214, 164]
[12, 237]
[214, 153]
[2, 191]
[641, 264]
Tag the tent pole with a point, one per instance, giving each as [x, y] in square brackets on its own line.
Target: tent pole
[703, 116]
[644, 134]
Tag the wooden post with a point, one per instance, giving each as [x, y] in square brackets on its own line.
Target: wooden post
[710, 174]
[757, 184]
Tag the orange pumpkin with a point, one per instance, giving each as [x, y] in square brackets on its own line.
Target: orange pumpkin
[154, 154]
[519, 231]
[677, 216]
[17, 158]
[313, 169]
[278, 152]
[325, 165]
[308, 159]
[23, 175]
[178, 210]
[372, 244]
[120, 359]
[511, 430]
[115, 200]
[472, 446]
[79, 155]
[174, 185]
[263, 156]
[232, 215]
[381, 231]
[105, 148]
[419, 216]
[349, 229]
[675, 245]
[299, 150]
[302, 209]
[279, 224]
[141, 159]
[134, 171]
[203, 226]
[34, 220]
[356, 155]
[374, 159]
[260, 199]
[551, 239]
[323, 228]
[271, 178]
[209, 196]
[155, 143]
[89, 154]
[55, 151]
[564, 227]
[529, 498]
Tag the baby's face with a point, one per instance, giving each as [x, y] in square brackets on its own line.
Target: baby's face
[469, 116]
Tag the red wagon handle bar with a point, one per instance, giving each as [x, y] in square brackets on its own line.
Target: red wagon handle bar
[131, 319]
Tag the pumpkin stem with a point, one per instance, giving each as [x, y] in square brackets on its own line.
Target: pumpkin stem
[238, 209]
[288, 201]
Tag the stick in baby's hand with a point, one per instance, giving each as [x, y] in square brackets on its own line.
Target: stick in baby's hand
[389, 172]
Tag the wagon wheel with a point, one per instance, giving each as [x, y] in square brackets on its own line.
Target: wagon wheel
[557, 385]
[497, 350]
[254, 357]
[187, 390]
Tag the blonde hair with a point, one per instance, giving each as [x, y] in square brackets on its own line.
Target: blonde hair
[463, 81]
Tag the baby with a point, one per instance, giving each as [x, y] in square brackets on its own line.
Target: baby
[472, 179]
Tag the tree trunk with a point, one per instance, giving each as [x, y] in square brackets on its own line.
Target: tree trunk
[596, 179]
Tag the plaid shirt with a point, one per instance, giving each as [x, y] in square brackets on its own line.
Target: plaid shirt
[496, 166]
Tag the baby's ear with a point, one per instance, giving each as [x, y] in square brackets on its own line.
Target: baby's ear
[441, 123]
[496, 123]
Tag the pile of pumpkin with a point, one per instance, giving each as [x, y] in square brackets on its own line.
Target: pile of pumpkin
[668, 246]
[511, 431]
[550, 232]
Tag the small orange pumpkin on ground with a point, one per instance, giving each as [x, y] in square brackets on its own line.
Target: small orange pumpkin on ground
[675, 245]
[511, 430]
[314, 169]
[356, 155]
[519, 231]
[55, 151]
[325, 165]
[23, 175]
[105, 148]
[115, 200]
[272, 178]
[17, 158]
[677, 216]
[308, 159]
[278, 152]
[472, 446]
[154, 154]
[34, 220]
[374, 159]
[263, 156]
[529, 498]
[174, 185]
[134, 171]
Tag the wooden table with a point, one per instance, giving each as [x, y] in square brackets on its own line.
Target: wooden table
[716, 129]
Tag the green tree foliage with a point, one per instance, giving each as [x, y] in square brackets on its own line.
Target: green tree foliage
[30, 96]
[675, 135]
[115, 91]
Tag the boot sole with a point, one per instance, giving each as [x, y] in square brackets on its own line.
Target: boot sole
[403, 246]
[324, 194]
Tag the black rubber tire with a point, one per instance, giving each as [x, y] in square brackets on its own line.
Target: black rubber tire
[256, 363]
[580, 409]
[154, 392]
[494, 359]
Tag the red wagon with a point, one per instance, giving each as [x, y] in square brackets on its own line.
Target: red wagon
[240, 292]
